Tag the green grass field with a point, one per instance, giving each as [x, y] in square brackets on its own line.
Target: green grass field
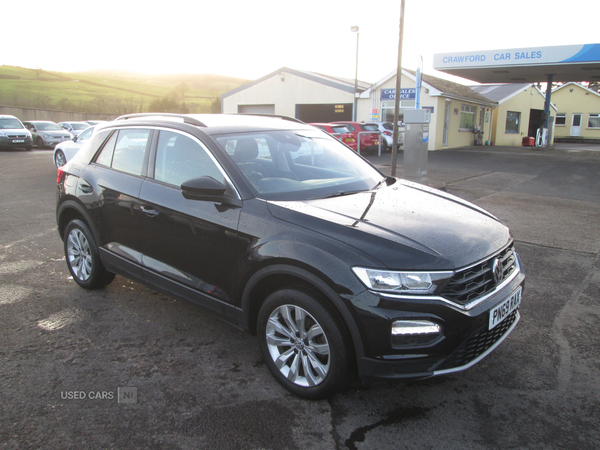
[108, 92]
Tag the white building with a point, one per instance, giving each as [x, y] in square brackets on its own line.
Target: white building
[456, 109]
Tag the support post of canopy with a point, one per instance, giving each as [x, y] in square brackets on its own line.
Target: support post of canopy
[547, 104]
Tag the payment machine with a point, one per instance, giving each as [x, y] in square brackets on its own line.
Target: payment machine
[416, 137]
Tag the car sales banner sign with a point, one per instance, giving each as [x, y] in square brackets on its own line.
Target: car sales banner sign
[405, 94]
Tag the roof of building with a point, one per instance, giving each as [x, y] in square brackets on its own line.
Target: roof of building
[343, 84]
[452, 89]
[501, 92]
[437, 87]
[577, 85]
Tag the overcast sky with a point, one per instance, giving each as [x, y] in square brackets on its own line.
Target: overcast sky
[249, 39]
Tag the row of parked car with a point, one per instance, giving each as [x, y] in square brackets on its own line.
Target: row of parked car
[369, 134]
[65, 137]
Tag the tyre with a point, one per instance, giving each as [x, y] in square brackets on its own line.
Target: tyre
[28, 148]
[83, 258]
[303, 344]
[59, 158]
[40, 143]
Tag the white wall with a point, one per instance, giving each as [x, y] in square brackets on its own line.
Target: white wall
[285, 94]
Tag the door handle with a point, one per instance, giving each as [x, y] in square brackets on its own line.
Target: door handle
[150, 212]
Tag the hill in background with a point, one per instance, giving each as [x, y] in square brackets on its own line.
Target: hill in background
[113, 92]
[203, 81]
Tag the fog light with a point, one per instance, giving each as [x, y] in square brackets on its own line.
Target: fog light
[415, 332]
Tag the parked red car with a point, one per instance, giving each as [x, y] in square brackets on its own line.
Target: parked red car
[340, 132]
[368, 142]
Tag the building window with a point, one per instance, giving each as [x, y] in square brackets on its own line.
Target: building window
[594, 121]
[512, 121]
[387, 110]
[561, 120]
[467, 117]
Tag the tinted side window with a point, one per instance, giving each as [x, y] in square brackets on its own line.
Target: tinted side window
[129, 151]
[105, 156]
[89, 148]
[180, 158]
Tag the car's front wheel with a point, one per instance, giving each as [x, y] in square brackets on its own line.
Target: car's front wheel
[40, 143]
[83, 258]
[304, 344]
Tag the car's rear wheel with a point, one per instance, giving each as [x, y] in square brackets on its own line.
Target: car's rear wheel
[303, 344]
[59, 158]
[83, 258]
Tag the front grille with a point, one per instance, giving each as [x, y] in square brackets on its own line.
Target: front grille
[469, 284]
[477, 344]
[17, 136]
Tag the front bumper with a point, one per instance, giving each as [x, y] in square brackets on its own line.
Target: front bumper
[465, 338]
[16, 141]
[52, 141]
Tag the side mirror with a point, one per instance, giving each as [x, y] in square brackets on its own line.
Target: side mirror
[207, 189]
[74, 138]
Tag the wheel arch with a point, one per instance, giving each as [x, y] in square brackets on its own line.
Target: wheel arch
[275, 277]
[70, 210]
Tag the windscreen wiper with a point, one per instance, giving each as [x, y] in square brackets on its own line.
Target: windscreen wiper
[342, 193]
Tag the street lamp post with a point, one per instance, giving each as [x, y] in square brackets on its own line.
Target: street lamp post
[354, 29]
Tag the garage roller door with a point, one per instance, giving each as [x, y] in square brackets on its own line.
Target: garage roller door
[256, 109]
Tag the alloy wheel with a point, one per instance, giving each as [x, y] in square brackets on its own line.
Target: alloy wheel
[79, 255]
[60, 159]
[298, 345]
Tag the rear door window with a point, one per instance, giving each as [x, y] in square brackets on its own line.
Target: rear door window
[125, 151]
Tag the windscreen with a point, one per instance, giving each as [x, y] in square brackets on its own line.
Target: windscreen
[370, 127]
[47, 126]
[9, 123]
[296, 165]
[340, 129]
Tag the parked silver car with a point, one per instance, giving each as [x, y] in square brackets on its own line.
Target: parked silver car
[75, 128]
[387, 134]
[13, 134]
[46, 133]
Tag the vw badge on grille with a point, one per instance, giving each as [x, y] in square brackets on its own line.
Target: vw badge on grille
[498, 270]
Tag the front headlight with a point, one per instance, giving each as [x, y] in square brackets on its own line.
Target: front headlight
[416, 283]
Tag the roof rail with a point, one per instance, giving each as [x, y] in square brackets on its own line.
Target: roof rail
[275, 116]
[186, 119]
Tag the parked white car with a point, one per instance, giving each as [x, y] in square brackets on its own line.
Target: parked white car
[65, 151]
